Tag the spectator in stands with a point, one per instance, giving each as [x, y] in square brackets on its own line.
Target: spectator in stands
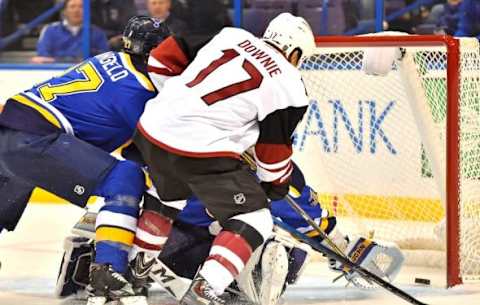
[469, 19]
[447, 22]
[62, 41]
[204, 17]
[161, 10]
[112, 16]
[404, 23]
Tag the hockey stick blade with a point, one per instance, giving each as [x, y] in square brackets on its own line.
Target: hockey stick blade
[367, 275]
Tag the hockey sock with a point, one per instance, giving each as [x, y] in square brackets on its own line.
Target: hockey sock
[233, 247]
[115, 231]
[116, 222]
[152, 233]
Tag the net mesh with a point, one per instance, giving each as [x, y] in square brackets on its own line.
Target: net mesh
[373, 147]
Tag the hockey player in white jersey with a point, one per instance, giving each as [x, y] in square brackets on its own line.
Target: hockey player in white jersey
[239, 91]
[270, 270]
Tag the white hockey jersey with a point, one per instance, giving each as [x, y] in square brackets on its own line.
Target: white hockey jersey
[237, 92]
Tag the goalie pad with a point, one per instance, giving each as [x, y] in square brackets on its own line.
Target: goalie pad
[73, 276]
[384, 259]
[278, 263]
[85, 226]
[274, 270]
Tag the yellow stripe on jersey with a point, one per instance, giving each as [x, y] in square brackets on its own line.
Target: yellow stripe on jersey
[114, 234]
[142, 79]
[45, 113]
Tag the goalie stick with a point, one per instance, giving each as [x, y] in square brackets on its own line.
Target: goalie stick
[334, 252]
[175, 285]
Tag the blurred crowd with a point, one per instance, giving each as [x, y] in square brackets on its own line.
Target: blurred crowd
[60, 38]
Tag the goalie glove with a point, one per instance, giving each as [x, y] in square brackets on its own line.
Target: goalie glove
[380, 61]
[275, 191]
[384, 259]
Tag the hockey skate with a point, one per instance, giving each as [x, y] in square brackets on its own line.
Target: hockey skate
[107, 285]
[201, 293]
[139, 272]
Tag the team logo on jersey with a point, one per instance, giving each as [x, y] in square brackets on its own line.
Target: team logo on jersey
[239, 198]
[79, 189]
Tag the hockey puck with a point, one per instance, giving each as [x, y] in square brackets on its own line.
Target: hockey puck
[422, 281]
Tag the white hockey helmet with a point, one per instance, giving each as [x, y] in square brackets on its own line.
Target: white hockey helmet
[288, 33]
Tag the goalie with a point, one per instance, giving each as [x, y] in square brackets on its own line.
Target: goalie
[270, 270]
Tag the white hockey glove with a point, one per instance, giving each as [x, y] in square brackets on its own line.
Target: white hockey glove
[384, 259]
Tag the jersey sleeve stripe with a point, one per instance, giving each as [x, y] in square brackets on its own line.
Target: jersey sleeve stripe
[161, 71]
[50, 113]
[64, 122]
[277, 176]
[153, 62]
[45, 113]
[142, 79]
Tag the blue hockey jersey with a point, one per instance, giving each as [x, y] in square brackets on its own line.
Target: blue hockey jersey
[99, 101]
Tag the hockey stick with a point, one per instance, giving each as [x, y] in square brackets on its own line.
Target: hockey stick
[334, 252]
[175, 285]
[251, 162]
[347, 262]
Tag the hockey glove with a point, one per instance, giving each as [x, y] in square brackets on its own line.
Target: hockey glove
[275, 191]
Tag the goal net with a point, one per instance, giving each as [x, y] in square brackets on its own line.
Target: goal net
[397, 157]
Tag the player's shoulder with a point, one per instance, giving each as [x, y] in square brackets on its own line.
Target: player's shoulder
[232, 30]
[121, 66]
[50, 29]
[228, 33]
[54, 25]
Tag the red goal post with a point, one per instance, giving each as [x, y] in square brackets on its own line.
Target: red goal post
[438, 65]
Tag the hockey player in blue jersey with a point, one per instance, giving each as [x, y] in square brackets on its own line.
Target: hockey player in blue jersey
[58, 135]
[280, 260]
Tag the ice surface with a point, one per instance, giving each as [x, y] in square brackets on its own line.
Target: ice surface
[31, 256]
